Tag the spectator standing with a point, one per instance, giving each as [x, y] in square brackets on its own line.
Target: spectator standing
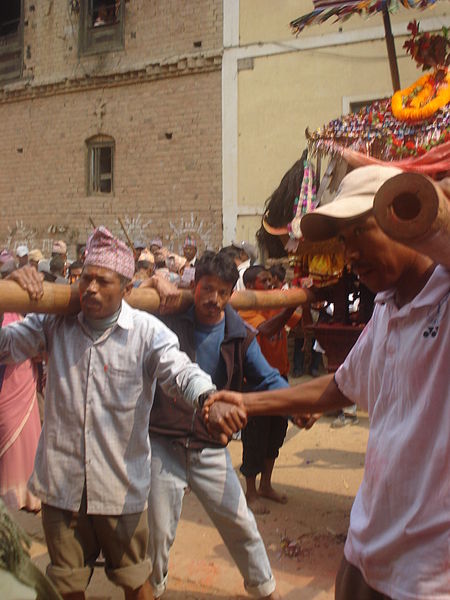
[34, 258]
[145, 267]
[7, 264]
[75, 270]
[20, 428]
[263, 437]
[58, 269]
[278, 273]
[247, 256]
[155, 245]
[139, 246]
[22, 255]
[184, 453]
[59, 248]
[190, 250]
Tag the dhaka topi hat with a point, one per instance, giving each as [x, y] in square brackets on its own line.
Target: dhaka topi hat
[190, 241]
[104, 250]
[59, 247]
[139, 245]
[156, 242]
[7, 267]
[5, 255]
[22, 251]
[354, 199]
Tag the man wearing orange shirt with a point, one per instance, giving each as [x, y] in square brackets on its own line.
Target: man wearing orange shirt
[263, 437]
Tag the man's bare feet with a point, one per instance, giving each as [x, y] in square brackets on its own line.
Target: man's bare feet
[271, 494]
[256, 506]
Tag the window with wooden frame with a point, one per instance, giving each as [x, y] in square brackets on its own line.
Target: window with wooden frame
[11, 39]
[353, 104]
[100, 165]
[101, 26]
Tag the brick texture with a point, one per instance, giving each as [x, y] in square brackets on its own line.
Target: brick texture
[159, 99]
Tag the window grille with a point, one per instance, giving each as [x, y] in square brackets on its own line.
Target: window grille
[100, 167]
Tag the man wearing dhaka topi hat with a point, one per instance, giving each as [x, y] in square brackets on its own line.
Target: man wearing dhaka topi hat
[398, 371]
[190, 251]
[92, 468]
[59, 248]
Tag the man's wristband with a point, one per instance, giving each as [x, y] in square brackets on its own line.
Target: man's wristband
[204, 397]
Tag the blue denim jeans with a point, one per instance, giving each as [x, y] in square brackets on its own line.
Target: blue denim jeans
[210, 475]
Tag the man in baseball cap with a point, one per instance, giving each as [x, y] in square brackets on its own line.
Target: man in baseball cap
[398, 372]
[34, 257]
[247, 250]
[354, 199]
[247, 256]
[22, 255]
[92, 468]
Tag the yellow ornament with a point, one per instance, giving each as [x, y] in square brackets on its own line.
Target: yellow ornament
[421, 100]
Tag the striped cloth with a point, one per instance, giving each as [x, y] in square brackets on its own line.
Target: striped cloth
[325, 9]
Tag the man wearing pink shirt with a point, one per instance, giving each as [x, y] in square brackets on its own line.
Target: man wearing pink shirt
[398, 540]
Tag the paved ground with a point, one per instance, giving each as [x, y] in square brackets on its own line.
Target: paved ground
[319, 470]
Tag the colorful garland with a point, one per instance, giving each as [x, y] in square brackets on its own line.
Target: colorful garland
[375, 132]
[306, 201]
[422, 99]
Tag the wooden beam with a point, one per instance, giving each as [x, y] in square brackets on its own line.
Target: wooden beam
[64, 299]
[413, 210]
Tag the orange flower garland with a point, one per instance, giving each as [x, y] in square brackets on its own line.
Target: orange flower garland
[422, 99]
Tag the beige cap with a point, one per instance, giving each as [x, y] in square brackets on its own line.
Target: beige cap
[35, 255]
[147, 256]
[354, 199]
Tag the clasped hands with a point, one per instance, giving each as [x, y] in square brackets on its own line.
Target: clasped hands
[225, 413]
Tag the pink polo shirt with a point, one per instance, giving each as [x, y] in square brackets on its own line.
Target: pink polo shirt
[399, 371]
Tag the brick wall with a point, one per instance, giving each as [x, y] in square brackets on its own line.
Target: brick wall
[165, 120]
[155, 30]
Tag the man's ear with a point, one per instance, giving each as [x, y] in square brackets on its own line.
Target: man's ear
[127, 289]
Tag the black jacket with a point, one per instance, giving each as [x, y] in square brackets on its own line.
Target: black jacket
[173, 417]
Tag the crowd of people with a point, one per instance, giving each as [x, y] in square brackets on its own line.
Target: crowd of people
[177, 432]
[140, 407]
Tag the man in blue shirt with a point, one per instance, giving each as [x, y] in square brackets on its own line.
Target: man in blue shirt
[183, 452]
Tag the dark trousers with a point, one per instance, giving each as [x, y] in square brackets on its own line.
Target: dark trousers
[299, 356]
[351, 585]
[262, 438]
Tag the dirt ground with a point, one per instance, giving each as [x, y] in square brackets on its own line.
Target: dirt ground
[319, 470]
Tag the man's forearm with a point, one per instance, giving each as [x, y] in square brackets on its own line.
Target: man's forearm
[275, 324]
[315, 396]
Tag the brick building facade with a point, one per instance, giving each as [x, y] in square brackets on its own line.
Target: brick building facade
[110, 116]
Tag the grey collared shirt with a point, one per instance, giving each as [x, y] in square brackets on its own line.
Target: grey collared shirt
[97, 404]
